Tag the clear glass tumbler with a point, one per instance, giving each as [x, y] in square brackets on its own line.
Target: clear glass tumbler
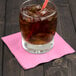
[37, 26]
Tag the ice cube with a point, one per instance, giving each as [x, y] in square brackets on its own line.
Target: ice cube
[33, 8]
[38, 7]
[29, 13]
[44, 11]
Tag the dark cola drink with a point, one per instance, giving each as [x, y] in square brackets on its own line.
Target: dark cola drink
[36, 30]
[37, 26]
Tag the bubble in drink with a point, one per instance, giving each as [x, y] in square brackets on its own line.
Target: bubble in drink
[38, 26]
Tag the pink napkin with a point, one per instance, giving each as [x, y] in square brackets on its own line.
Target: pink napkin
[28, 60]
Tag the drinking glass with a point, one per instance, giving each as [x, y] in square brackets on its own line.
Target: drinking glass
[37, 26]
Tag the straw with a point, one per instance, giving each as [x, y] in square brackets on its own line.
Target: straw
[44, 4]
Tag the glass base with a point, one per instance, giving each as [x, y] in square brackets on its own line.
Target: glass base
[37, 49]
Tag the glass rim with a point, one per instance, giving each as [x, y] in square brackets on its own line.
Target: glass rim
[36, 17]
